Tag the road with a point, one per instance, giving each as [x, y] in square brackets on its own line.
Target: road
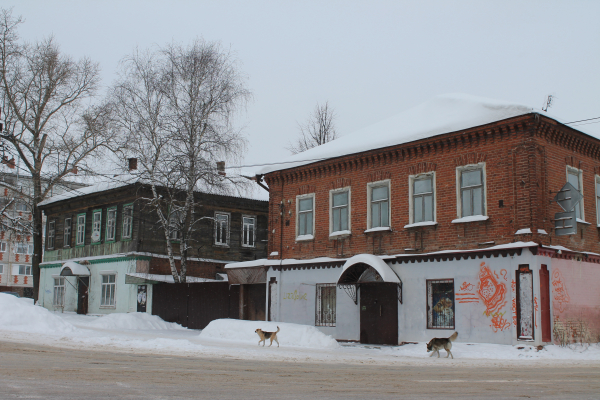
[35, 372]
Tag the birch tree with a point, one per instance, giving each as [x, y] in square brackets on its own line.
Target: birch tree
[317, 130]
[178, 104]
[52, 122]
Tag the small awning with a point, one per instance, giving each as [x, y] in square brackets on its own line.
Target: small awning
[71, 268]
[366, 268]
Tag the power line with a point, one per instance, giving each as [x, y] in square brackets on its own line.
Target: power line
[581, 120]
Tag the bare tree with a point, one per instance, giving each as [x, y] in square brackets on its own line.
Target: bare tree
[178, 105]
[51, 123]
[318, 130]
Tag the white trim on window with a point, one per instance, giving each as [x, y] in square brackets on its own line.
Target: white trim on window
[67, 232]
[344, 230]
[411, 200]
[59, 291]
[465, 168]
[108, 293]
[51, 234]
[222, 238]
[96, 226]
[248, 235]
[1, 269]
[80, 239]
[308, 234]
[370, 187]
[3, 247]
[580, 207]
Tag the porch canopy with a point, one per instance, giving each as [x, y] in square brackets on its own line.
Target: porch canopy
[71, 268]
[364, 268]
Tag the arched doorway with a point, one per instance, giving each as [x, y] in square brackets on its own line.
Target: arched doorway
[377, 290]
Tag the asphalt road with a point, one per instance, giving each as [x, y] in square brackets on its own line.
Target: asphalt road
[34, 372]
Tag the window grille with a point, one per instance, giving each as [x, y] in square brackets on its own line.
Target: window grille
[222, 229]
[440, 304]
[249, 231]
[59, 292]
[305, 216]
[51, 234]
[109, 285]
[471, 192]
[111, 224]
[339, 210]
[67, 238]
[326, 303]
[380, 206]
[423, 199]
[96, 225]
[81, 229]
[127, 221]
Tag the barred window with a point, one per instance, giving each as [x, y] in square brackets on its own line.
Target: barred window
[325, 315]
[59, 292]
[440, 304]
[109, 285]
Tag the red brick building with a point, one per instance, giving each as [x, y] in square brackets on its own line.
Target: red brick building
[455, 179]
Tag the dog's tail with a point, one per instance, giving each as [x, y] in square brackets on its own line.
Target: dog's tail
[453, 337]
[277, 330]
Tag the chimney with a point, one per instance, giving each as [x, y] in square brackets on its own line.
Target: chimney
[221, 168]
[132, 164]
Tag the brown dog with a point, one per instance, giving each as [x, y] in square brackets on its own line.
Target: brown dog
[267, 335]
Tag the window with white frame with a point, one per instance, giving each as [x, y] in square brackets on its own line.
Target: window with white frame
[423, 198]
[67, 237]
[3, 247]
[109, 286]
[24, 248]
[127, 221]
[326, 298]
[221, 229]
[22, 206]
[472, 191]
[51, 234]
[340, 210]
[96, 225]
[379, 198]
[174, 224]
[440, 304]
[80, 230]
[21, 269]
[1, 268]
[574, 178]
[248, 231]
[305, 214]
[59, 292]
[111, 224]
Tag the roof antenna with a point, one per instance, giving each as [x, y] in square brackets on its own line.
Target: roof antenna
[548, 104]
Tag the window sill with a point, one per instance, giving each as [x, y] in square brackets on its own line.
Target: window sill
[274, 253]
[340, 233]
[580, 221]
[109, 307]
[379, 229]
[247, 246]
[473, 218]
[417, 224]
[302, 238]
[221, 244]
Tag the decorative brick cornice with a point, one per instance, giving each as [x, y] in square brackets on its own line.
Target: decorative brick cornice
[340, 183]
[305, 189]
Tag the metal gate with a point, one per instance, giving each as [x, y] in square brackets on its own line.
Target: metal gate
[194, 305]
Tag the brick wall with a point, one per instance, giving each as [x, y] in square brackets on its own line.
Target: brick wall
[525, 158]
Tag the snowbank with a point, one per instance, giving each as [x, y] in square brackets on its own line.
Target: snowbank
[131, 321]
[21, 315]
[294, 335]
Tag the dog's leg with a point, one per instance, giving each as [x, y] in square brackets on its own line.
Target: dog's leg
[449, 354]
[271, 344]
[432, 353]
[438, 351]
[276, 341]
[259, 342]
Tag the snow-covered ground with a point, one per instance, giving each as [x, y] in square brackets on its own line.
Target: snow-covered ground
[21, 321]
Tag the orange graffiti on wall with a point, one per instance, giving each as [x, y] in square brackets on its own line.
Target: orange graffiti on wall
[491, 291]
[559, 290]
[499, 323]
[467, 286]
[536, 310]
[513, 289]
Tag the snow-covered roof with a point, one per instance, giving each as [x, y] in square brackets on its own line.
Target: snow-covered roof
[376, 262]
[71, 268]
[440, 115]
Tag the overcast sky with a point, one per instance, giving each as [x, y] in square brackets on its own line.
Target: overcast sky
[369, 59]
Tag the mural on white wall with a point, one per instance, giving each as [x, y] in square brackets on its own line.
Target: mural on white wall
[489, 290]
